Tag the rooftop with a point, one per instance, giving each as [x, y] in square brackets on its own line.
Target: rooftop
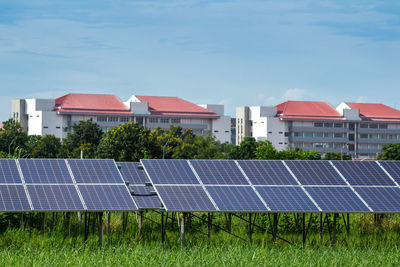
[374, 111]
[307, 110]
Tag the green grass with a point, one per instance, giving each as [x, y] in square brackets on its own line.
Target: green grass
[366, 245]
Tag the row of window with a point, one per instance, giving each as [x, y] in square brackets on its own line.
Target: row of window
[370, 146]
[319, 135]
[328, 125]
[320, 145]
[139, 120]
[373, 126]
[380, 136]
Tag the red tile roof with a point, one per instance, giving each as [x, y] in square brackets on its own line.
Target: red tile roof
[307, 110]
[174, 106]
[372, 111]
[90, 103]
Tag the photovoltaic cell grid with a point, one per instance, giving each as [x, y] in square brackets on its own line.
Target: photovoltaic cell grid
[143, 199]
[280, 198]
[131, 173]
[261, 172]
[381, 199]
[92, 171]
[169, 171]
[363, 173]
[107, 197]
[236, 198]
[45, 171]
[219, 172]
[9, 172]
[393, 168]
[13, 198]
[315, 172]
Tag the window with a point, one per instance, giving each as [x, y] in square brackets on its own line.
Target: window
[286, 134]
[363, 125]
[153, 120]
[338, 125]
[351, 126]
[338, 135]
[351, 137]
[175, 120]
[383, 126]
[216, 131]
[139, 120]
[164, 120]
[124, 119]
[328, 135]
[270, 132]
[298, 134]
[280, 143]
[364, 136]
[58, 127]
[308, 134]
[318, 135]
[328, 125]
[373, 136]
[45, 127]
[318, 124]
[112, 119]
[373, 126]
[384, 136]
[101, 118]
[280, 132]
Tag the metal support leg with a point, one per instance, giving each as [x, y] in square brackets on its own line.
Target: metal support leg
[140, 224]
[334, 230]
[100, 228]
[68, 224]
[320, 225]
[209, 225]
[30, 224]
[304, 230]
[348, 224]
[250, 230]
[183, 241]
[162, 228]
[43, 222]
[275, 228]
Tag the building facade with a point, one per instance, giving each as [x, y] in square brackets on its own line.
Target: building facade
[57, 116]
[359, 129]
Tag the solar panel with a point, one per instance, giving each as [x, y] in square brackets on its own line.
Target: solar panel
[236, 198]
[286, 198]
[185, 198]
[336, 199]
[219, 172]
[363, 173]
[131, 173]
[9, 172]
[271, 172]
[13, 198]
[143, 199]
[381, 199]
[90, 171]
[54, 197]
[45, 171]
[393, 168]
[311, 172]
[169, 171]
[107, 197]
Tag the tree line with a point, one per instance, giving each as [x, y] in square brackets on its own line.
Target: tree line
[132, 142]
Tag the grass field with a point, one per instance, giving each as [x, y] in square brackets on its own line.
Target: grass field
[367, 245]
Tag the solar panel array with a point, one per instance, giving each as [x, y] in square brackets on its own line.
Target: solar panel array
[276, 186]
[62, 185]
[137, 179]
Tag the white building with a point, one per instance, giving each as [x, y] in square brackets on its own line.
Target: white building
[360, 129]
[57, 116]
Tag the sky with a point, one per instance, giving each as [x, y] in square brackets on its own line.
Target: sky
[231, 52]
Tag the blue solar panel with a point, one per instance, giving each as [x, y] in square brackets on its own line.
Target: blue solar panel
[13, 198]
[286, 198]
[9, 172]
[336, 199]
[236, 198]
[219, 172]
[312, 172]
[131, 173]
[363, 173]
[89, 171]
[54, 197]
[107, 197]
[393, 168]
[169, 171]
[185, 198]
[262, 172]
[381, 199]
[145, 200]
[45, 171]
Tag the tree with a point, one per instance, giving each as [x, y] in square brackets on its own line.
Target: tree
[265, 150]
[12, 136]
[48, 146]
[390, 152]
[129, 142]
[246, 149]
[337, 156]
[85, 136]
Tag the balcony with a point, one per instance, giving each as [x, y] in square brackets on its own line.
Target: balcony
[318, 139]
[377, 141]
[380, 131]
[183, 125]
[318, 129]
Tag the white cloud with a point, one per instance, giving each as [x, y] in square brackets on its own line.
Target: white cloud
[294, 94]
[362, 99]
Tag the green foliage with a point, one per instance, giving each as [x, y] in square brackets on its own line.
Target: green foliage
[86, 136]
[266, 151]
[12, 136]
[337, 156]
[48, 146]
[246, 149]
[390, 152]
[129, 142]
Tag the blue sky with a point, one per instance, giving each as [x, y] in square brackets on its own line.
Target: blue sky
[239, 52]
